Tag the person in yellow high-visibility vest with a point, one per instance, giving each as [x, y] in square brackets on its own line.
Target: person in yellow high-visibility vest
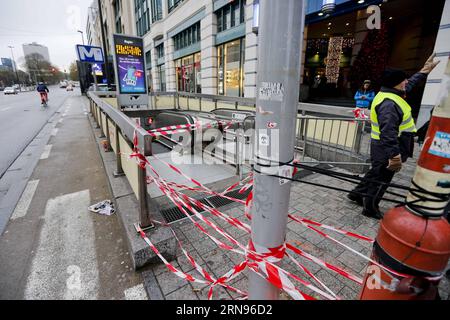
[393, 131]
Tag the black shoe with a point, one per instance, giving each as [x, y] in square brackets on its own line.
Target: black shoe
[355, 198]
[447, 274]
[375, 214]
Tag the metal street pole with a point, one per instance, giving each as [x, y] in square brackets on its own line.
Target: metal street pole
[105, 52]
[14, 63]
[279, 52]
[82, 35]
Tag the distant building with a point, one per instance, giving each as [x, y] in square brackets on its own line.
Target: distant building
[6, 64]
[36, 48]
[93, 30]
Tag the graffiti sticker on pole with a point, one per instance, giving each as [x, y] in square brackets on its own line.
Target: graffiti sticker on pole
[285, 171]
[441, 145]
[271, 91]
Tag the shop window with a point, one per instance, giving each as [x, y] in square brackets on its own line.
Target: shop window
[188, 71]
[231, 57]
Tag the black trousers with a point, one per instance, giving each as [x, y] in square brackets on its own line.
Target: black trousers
[374, 191]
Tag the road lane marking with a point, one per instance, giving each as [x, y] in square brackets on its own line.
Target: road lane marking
[6, 109]
[65, 264]
[136, 293]
[22, 206]
[46, 153]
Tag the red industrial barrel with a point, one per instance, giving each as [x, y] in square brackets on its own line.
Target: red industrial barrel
[411, 245]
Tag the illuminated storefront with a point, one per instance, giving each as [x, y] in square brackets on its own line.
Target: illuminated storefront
[342, 51]
[188, 59]
[230, 43]
[188, 71]
[231, 57]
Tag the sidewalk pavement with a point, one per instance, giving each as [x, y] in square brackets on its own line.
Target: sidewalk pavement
[53, 247]
[318, 204]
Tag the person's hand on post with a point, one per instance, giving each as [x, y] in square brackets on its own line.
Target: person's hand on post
[395, 164]
[430, 64]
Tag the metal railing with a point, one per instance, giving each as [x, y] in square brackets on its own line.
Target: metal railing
[336, 141]
[325, 134]
[119, 131]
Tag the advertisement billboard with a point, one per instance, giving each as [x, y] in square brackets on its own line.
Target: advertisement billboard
[130, 64]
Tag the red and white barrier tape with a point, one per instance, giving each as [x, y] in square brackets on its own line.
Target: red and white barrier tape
[317, 224]
[182, 128]
[273, 273]
[196, 182]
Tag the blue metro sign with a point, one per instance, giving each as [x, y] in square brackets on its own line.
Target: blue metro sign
[90, 54]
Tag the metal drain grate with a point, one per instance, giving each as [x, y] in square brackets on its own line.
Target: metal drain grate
[174, 214]
[220, 202]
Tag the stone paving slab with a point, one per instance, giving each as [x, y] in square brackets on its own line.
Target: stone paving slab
[325, 206]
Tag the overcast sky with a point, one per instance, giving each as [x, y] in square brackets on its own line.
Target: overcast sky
[53, 23]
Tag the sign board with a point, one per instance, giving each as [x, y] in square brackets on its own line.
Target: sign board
[97, 69]
[129, 63]
[90, 54]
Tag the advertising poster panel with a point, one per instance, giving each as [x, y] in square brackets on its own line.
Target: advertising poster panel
[130, 64]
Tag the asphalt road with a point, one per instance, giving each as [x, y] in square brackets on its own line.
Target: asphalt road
[22, 118]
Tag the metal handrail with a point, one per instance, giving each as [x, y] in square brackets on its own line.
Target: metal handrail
[304, 107]
[127, 126]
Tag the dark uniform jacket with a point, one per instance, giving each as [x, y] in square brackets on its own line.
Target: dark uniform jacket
[42, 88]
[390, 116]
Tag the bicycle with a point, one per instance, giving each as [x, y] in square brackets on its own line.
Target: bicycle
[44, 99]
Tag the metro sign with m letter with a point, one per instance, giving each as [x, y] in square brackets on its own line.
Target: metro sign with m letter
[90, 54]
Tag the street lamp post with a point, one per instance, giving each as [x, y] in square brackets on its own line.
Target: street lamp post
[82, 35]
[14, 63]
[105, 52]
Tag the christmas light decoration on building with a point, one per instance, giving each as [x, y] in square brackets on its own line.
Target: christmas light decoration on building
[334, 59]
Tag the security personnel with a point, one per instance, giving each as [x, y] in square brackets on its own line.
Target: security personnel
[393, 131]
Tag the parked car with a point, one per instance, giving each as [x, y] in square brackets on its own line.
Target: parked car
[11, 90]
[103, 87]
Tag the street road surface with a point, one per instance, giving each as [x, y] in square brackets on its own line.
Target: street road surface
[22, 118]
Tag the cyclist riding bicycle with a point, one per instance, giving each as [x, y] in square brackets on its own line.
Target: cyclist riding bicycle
[43, 90]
